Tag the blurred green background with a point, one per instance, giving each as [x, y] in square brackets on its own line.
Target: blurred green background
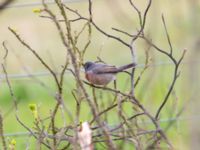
[183, 22]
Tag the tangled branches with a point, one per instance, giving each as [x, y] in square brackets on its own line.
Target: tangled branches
[128, 130]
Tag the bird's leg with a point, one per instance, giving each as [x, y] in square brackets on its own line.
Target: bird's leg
[115, 84]
[115, 96]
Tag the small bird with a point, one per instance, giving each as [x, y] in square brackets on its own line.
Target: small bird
[101, 74]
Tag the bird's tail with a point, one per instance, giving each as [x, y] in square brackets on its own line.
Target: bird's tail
[122, 68]
[116, 70]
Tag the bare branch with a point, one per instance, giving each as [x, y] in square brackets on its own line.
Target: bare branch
[138, 12]
[92, 96]
[176, 75]
[5, 3]
[37, 56]
[2, 133]
[167, 34]
[6, 49]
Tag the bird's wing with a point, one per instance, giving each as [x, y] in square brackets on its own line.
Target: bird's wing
[103, 68]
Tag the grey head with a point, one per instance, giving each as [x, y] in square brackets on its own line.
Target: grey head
[88, 65]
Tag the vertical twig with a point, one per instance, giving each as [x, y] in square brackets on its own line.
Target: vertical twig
[167, 34]
[176, 75]
[2, 133]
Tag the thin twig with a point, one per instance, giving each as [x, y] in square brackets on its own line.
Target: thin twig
[176, 75]
[5, 4]
[167, 34]
[2, 133]
[36, 55]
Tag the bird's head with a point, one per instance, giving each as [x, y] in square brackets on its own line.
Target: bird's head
[88, 65]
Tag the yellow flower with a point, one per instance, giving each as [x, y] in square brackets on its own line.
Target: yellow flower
[37, 10]
[33, 107]
[12, 144]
